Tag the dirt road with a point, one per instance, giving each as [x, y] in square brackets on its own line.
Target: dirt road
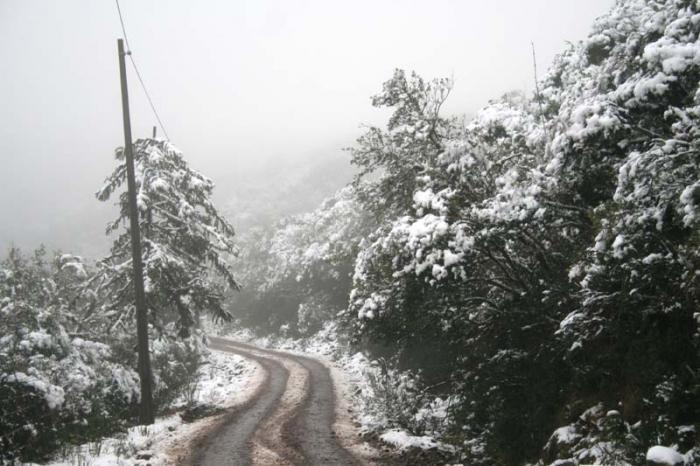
[288, 421]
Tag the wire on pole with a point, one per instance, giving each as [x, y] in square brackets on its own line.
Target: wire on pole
[138, 73]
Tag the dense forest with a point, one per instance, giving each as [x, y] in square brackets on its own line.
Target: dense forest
[536, 265]
[533, 271]
[67, 350]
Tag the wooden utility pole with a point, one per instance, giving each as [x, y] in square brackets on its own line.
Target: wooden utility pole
[146, 415]
[154, 132]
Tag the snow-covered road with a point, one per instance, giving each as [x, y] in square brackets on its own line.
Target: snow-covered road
[291, 419]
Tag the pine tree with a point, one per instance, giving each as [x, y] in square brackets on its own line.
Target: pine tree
[186, 242]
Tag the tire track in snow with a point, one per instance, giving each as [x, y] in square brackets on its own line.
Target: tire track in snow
[291, 426]
[231, 444]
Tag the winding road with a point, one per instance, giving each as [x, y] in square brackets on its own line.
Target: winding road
[288, 421]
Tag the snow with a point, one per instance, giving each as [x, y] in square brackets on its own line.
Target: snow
[570, 319]
[656, 85]
[352, 371]
[123, 450]
[590, 119]
[600, 244]
[689, 429]
[225, 381]
[429, 200]
[439, 271]
[673, 57]
[575, 271]
[618, 246]
[403, 440]
[74, 263]
[223, 378]
[664, 455]
[125, 381]
[688, 203]
[450, 258]
[53, 395]
[651, 258]
[370, 306]
[159, 184]
[142, 201]
[425, 229]
[566, 435]
[37, 339]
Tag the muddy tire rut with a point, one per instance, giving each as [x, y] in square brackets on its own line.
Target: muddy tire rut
[288, 421]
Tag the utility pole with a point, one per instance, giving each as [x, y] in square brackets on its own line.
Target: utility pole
[154, 132]
[146, 416]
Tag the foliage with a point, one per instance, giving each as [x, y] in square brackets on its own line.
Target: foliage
[186, 243]
[299, 274]
[392, 396]
[176, 363]
[67, 350]
[411, 143]
[542, 258]
[56, 385]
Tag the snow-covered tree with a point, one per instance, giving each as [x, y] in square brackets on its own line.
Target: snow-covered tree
[410, 143]
[56, 383]
[187, 244]
[540, 263]
[298, 275]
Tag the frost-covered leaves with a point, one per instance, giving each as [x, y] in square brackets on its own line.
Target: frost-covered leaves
[298, 274]
[392, 398]
[411, 142]
[634, 127]
[544, 256]
[66, 337]
[602, 436]
[55, 382]
[563, 227]
[311, 245]
[186, 242]
[176, 362]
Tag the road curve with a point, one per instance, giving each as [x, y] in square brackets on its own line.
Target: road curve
[289, 421]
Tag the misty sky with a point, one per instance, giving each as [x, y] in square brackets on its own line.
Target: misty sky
[239, 84]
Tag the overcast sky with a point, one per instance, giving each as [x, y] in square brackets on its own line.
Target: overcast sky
[239, 84]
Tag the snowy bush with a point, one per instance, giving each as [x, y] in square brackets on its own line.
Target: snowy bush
[55, 385]
[176, 363]
[392, 398]
[551, 245]
[538, 260]
[299, 274]
[67, 350]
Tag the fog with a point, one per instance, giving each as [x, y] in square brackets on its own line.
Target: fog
[249, 90]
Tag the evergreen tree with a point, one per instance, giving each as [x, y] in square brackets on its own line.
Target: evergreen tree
[186, 243]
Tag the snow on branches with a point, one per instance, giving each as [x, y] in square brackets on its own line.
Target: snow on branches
[567, 218]
[55, 379]
[187, 244]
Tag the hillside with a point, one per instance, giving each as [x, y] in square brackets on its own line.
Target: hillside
[537, 267]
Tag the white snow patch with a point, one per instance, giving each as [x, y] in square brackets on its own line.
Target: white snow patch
[225, 380]
[450, 258]
[566, 435]
[664, 455]
[403, 440]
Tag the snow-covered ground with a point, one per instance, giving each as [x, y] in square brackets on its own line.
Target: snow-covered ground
[226, 380]
[665, 456]
[351, 373]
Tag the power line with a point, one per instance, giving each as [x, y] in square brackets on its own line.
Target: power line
[138, 74]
